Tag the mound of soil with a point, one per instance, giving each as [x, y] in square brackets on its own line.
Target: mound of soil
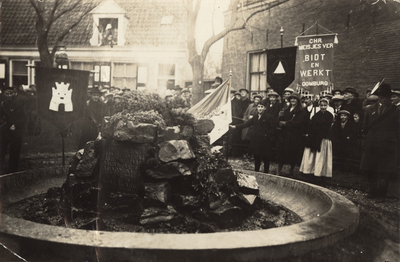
[44, 209]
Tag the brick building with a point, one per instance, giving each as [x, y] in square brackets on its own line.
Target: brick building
[125, 43]
[368, 34]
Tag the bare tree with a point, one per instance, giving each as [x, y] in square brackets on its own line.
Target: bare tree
[57, 18]
[238, 20]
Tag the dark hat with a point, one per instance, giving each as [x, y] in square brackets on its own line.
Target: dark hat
[4, 88]
[126, 89]
[258, 97]
[343, 112]
[294, 95]
[384, 90]
[186, 91]
[273, 93]
[237, 93]
[177, 88]
[351, 90]
[244, 89]
[337, 90]
[337, 98]
[95, 90]
[263, 102]
[167, 96]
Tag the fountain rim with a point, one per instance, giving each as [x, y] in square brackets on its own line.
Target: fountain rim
[339, 221]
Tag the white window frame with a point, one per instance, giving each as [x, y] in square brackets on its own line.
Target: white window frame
[249, 73]
[28, 69]
[94, 41]
[166, 77]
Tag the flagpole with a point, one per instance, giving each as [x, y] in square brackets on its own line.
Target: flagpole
[226, 139]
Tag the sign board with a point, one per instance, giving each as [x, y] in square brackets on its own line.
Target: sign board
[315, 58]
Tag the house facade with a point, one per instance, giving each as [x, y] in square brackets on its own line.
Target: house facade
[367, 50]
[130, 44]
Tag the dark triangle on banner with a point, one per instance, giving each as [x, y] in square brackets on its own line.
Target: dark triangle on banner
[281, 65]
[61, 95]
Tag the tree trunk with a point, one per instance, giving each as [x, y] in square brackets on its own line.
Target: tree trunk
[45, 56]
[198, 73]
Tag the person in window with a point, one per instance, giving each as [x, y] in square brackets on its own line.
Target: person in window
[292, 123]
[96, 110]
[261, 135]
[12, 126]
[317, 156]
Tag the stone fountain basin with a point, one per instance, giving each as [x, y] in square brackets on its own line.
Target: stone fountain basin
[327, 218]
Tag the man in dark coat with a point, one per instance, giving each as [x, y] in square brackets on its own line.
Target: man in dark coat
[12, 127]
[96, 110]
[293, 122]
[381, 131]
[261, 135]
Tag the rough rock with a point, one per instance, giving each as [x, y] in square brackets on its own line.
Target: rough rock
[168, 171]
[223, 177]
[203, 126]
[187, 132]
[158, 192]
[201, 141]
[174, 150]
[88, 161]
[228, 216]
[186, 201]
[247, 183]
[171, 133]
[138, 133]
[156, 215]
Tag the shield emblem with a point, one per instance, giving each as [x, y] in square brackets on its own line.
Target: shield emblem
[281, 65]
[61, 95]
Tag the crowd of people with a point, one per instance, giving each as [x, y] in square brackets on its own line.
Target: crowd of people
[319, 133]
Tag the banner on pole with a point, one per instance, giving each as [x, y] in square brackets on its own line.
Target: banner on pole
[217, 107]
[281, 67]
[315, 61]
[61, 95]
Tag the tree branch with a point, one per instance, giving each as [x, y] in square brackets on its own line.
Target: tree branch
[51, 16]
[66, 10]
[37, 9]
[67, 31]
[234, 26]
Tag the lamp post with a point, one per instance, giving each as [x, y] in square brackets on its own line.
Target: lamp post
[281, 31]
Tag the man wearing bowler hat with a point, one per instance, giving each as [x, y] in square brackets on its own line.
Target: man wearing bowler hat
[96, 110]
[381, 131]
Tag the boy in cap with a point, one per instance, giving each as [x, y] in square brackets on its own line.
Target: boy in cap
[261, 136]
[381, 131]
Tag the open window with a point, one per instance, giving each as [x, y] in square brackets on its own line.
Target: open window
[109, 25]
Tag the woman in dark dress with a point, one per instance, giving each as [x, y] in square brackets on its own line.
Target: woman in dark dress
[293, 122]
[261, 135]
[344, 139]
[317, 156]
